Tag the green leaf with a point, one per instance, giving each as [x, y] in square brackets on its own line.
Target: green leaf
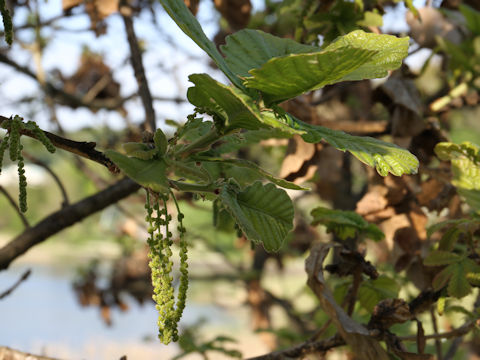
[355, 56]
[465, 158]
[263, 212]
[389, 53]
[441, 279]
[385, 157]
[148, 173]
[236, 109]
[345, 223]
[285, 77]
[439, 257]
[458, 285]
[257, 169]
[472, 17]
[249, 49]
[179, 12]
[371, 292]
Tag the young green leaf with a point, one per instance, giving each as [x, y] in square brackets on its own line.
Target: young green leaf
[252, 166]
[263, 212]
[185, 20]
[148, 173]
[465, 160]
[249, 49]
[458, 286]
[385, 157]
[235, 108]
[285, 77]
[438, 258]
[355, 56]
[345, 224]
[371, 292]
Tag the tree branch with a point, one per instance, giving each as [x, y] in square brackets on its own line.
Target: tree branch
[81, 148]
[301, 350]
[64, 218]
[24, 277]
[137, 64]
[461, 331]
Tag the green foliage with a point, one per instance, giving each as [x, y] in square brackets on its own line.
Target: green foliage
[346, 224]
[264, 213]
[7, 22]
[456, 229]
[249, 49]
[465, 159]
[385, 157]
[458, 275]
[148, 173]
[191, 342]
[355, 56]
[242, 163]
[372, 291]
[233, 108]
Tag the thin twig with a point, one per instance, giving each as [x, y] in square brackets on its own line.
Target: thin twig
[24, 277]
[137, 64]
[81, 148]
[15, 206]
[303, 349]
[47, 168]
[65, 218]
[438, 344]
[462, 330]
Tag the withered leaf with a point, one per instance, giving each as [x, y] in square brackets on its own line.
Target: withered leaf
[354, 334]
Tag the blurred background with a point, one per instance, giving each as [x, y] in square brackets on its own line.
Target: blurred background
[88, 295]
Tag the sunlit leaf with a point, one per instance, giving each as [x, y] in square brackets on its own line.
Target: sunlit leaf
[236, 109]
[355, 56]
[465, 158]
[263, 212]
[385, 157]
[249, 49]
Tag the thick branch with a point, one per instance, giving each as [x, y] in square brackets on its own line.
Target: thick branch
[303, 349]
[137, 64]
[81, 148]
[64, 218]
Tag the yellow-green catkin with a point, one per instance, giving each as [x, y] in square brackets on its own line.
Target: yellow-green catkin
[40, 136]
[3, 148]
[161, 266]
[22, 181]
[7, 22]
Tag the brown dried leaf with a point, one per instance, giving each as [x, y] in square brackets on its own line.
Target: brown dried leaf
[389, 312]
[298, 152]
[421, 339]
[92, 80]
[354, 334]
